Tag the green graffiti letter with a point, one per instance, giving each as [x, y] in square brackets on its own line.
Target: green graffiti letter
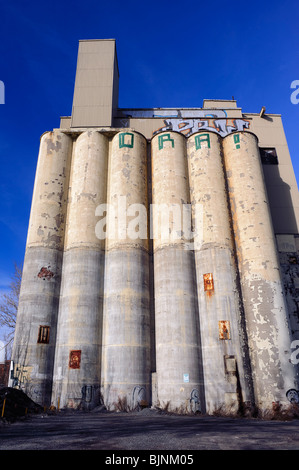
[237, 140]
[122, 143]
[164, 138]
[199, 138]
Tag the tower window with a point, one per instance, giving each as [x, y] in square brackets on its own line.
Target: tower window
[43, 334]
[269, 156]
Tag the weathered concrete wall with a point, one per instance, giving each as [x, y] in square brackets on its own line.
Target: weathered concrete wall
[226, 378]
[288, 249]
[126, 325]
[33, 356]
[77, 372]
[176, 309]
[265, 308]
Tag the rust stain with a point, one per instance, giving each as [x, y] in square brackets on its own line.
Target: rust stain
[224, 329]
[75, 359]
[208, 284]
[45, 273]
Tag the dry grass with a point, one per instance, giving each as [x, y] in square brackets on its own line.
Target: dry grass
[278, 412]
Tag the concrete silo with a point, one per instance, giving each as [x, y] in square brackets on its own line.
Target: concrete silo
[178, 362]
[126, 322]
[77, 373]
[35, 335]
[151, 273]
[220, 306]
[264, 303]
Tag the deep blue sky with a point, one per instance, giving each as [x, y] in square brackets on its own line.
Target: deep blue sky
[170, 54]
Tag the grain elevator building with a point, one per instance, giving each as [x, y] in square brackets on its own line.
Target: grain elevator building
[161, 265]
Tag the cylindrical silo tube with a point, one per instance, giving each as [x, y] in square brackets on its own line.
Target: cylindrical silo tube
[35, 335]
[223, 342]
[77, 371]
[178, 362]
[262, 289]
[126, 322]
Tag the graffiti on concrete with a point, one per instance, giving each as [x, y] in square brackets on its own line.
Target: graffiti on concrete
[139, 396]
[21, 376]
[195, 401]
[87, 393]
[293, 395]
[35, 392]
[173, 113]
[220, 126]
[91, 394]
[188, 121]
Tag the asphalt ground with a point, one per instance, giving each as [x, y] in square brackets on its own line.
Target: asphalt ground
[146, 436]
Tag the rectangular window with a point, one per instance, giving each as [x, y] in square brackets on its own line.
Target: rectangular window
[269, 156]
[43, 334]
[75, 359]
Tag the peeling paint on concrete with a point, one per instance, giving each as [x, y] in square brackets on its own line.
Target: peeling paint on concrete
[264, 303]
